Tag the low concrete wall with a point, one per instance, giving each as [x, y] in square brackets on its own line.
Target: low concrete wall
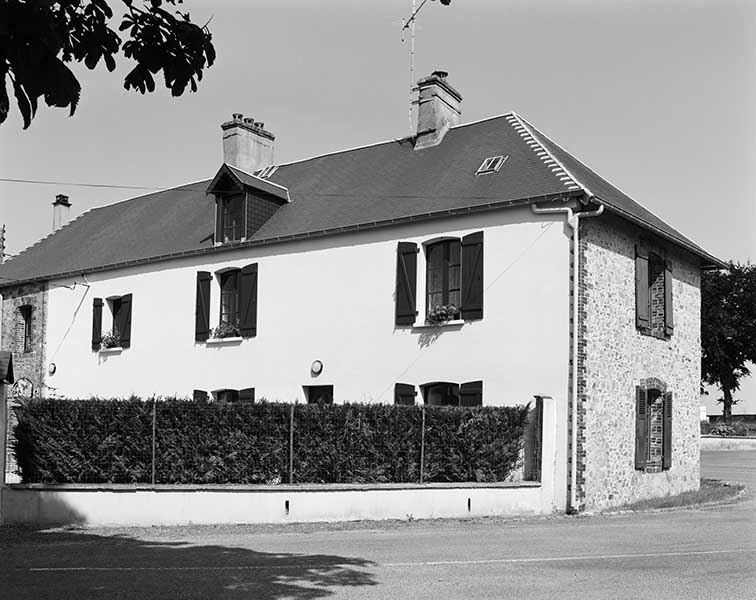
[180, 505]
[140, 505]
[715, 442]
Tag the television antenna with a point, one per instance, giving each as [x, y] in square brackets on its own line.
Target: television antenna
[409, 23]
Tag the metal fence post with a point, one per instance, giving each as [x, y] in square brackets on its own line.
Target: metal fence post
[422, 445]
[154, 420]
[291, 444]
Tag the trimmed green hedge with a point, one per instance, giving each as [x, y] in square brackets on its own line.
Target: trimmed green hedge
[110, 441]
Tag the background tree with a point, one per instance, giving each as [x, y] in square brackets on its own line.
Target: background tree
[37, 38]
[728, 329]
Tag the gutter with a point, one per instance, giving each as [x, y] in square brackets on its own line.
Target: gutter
[255, 243]
[573, 220]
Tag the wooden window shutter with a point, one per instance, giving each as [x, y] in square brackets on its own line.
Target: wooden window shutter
[247, 395]
[124, 321]
[404, 394]
[199, 396]
[669, 323]
[667, 432]
[248, 301]
[641, 427]
[96, 323]
[406, 283]
[642, 307]
[472, 276]
[471, 394]
[218, 218]
[202, 310]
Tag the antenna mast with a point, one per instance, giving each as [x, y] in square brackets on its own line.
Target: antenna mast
[410, 24]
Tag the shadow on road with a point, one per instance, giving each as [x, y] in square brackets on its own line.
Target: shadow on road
[77, 564]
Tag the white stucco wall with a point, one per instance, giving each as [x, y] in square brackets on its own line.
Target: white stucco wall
[331, 299]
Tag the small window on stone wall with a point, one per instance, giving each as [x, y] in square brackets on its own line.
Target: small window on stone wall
[653, 294]
[24, 328]
[653, 429]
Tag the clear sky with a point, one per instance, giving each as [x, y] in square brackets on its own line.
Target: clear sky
[657, 96]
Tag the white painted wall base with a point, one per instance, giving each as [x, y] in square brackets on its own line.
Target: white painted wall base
[727, 443]
[172, 505]
[140, 505]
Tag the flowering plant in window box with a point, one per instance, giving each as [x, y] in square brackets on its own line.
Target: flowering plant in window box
[441, 314]
[110, 340]
[225, 330]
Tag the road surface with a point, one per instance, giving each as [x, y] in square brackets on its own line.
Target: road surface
[707, 553]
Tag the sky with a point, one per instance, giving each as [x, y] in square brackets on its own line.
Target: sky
[657, 96]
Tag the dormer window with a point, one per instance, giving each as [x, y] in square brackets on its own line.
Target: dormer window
[232, 215]
[243, 202]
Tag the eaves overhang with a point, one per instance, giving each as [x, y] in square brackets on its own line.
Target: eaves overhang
[492, 205]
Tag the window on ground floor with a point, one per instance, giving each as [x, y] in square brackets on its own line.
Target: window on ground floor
[319, 394]
[653, 428]
[445, 393]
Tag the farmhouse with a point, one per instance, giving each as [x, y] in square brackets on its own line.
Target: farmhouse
[469, 264]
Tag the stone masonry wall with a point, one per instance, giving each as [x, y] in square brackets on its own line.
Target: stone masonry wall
[27, 365]
[614, 357]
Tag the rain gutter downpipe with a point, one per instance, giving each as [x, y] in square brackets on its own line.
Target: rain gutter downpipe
[573, 220]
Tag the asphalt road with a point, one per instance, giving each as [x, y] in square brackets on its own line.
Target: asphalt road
[707, 552]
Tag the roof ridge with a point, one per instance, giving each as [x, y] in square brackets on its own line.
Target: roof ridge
[563, 173]
[157, 191]
[49, 235]
[389, 141]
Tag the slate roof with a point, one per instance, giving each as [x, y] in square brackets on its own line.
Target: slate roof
[371, 186]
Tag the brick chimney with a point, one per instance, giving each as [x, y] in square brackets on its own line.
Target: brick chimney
[61, 208]
[439, 107]
[246, 144]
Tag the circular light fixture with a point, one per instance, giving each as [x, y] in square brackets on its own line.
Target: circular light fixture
[316, 367]
[51, 369]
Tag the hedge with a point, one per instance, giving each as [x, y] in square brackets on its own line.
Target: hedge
[110, 441]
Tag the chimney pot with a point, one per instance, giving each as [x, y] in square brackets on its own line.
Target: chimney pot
[439, 108]
[246, 145]
[61, 208]
[260, 125]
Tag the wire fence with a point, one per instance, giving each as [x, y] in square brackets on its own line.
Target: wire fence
[184, 442]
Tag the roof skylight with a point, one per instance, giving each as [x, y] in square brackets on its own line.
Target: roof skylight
[491, 165]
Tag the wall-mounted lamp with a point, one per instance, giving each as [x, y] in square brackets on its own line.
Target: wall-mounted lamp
[316, 367]
[51, 369]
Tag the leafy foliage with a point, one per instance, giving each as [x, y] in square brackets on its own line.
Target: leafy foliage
[728, 328]
[110, 441]
[225, 330]
[38, 38]
[442, 314]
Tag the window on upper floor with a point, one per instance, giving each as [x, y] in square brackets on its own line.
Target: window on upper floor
[454, 280]
[24, 328]
[235, 299]
[442, 261]
[653, 294]
[653, 427]
[231, 215]
[229, 301]
[112, 328]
